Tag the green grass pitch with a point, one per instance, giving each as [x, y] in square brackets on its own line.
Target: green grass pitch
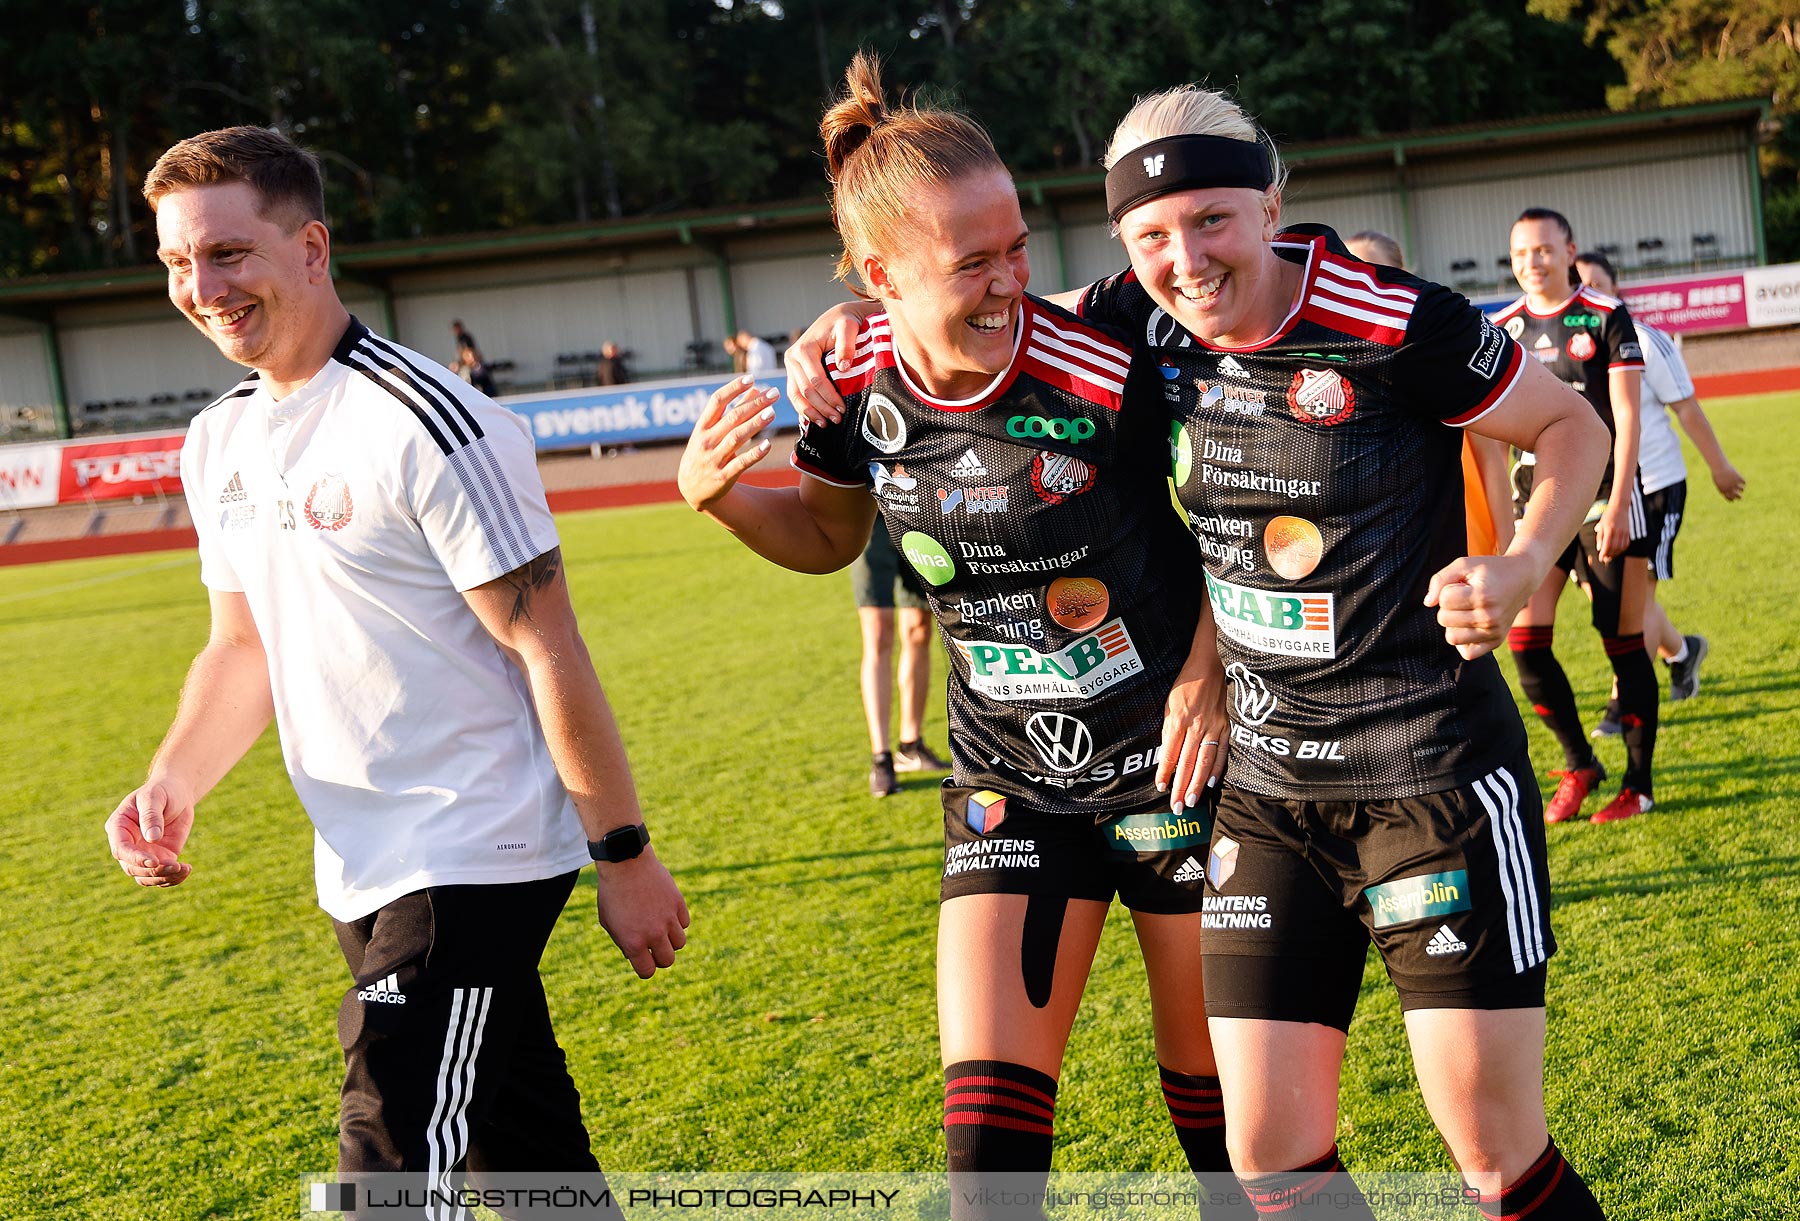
[172, 1054]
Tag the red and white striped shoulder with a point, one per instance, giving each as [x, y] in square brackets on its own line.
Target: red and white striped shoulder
[1600, 301]
[1348, 296]
[874, 351]
[1075, 356]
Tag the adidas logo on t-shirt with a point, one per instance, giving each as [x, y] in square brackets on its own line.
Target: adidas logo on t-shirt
[1444, 942]
[1230, 368]
[969, 467]
[234, 491]
[1190, 872]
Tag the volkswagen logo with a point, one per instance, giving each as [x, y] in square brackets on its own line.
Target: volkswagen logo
[1063, 743]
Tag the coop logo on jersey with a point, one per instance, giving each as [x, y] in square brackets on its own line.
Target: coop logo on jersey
[1009, 671]
[973, 500]
[1425, 897]
[927, 556]
[1298, 625]
[896, 489]
[1073, 429]
[1255, 702]
[1063, 742]
[1515, 326]
[1321, 396]
[1057, 477]
[883, 426]
[1181, 454]
[328, 504]
[1574, 321]
[1581, 346]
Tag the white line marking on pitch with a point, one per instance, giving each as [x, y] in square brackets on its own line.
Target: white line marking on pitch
[111, 576]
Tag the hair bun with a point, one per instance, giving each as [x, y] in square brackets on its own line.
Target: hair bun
[851, 120]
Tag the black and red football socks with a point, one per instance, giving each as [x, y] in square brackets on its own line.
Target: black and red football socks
[1549, 1191]
[1312, 1190]
[999, 1121]
[1547, 687]
[1638, 696]
[1197, 1109]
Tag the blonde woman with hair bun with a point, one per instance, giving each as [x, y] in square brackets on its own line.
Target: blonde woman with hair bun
[1379, 787]
[1016, 451]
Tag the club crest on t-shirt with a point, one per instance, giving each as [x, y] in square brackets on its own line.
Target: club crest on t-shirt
[328, 504]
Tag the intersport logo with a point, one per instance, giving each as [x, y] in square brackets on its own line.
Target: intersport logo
[1088, 665]
[1074, 430]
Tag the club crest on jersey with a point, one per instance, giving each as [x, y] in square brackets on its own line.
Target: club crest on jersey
[1056, 477]
[328, 504]
[1581, 346]
[883, 426]
[1321, 396]
[1515, 326]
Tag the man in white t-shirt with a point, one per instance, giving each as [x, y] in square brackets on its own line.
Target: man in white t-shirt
[385, 582]
[1663, 474]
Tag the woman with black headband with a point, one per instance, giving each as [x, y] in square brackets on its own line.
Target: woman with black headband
[1379, 787]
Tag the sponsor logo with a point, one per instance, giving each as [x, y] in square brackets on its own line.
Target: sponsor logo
[1159, 831]
[1210, 531]
[1424, 897]
[985, 811]
[1232, 400]
[384, 991]
[1515, 326]
[1078, 603]
[237, 517]
[1099, 773]
[234, 490]
[897, 489]
[1231, 368]
[1171, 377]
[1235, 911]
[883, 426]
[1293, 546]
[1063, 742]
[1298, 625]
[1259, 481]
[1321, 396]
[1162, 331]
[1181, 454]
[1153, 166]
[328, 504]
[1577, 321]
[1190, 874]
[1445, 942]
[981, 855]
[1318, 750]
[1543, 349]
[998, 612]
[1222, 862]
[1255, 702]
[1486, 361]
[968, 467]
[1213, 451]
[977, 555]
[927, 556]
[1057, 477]
[975, 500]
[1630, 351]
[1073, 429]
[1582, 346]
[1087, 666]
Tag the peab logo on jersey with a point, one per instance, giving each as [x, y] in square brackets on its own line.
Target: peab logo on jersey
[1062, 741]
[1083, 668]
[1298, 625]
[1153, 166]
[1321, 396]
[1056, 477]
[1581, 346]
[883, 426]
[328, 504]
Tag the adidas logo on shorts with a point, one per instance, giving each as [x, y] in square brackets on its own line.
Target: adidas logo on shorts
[1190, 872]
[385, 991]
[1444, 942]
[969, 467]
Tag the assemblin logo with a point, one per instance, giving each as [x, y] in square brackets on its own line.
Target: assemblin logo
[1419, 898]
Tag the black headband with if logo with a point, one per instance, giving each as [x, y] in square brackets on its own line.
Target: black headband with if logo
[1185, 163]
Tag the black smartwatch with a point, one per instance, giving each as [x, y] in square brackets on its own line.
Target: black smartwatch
[620, 844]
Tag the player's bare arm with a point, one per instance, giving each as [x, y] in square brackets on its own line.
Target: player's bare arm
[1613, 533]
[225, 706]
[1478, 597]
[527, 612]
[1196, 727]
[1692, 418]
[814, 528]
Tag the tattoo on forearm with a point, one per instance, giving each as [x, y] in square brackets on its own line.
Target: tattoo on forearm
[527, 579]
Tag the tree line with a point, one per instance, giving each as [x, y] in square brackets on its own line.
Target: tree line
[447, 116]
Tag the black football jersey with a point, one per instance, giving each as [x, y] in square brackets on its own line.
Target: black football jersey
[1037, 516]
[1325, 491]
[1588, 337]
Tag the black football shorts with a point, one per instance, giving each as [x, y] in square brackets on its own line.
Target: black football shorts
[1452, 888]
[1153, 860]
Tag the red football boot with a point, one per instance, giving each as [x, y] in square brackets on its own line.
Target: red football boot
[1628, 802]
[1576, 784]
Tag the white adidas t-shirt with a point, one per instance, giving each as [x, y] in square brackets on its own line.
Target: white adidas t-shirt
[1666, 381]
[350, 515]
